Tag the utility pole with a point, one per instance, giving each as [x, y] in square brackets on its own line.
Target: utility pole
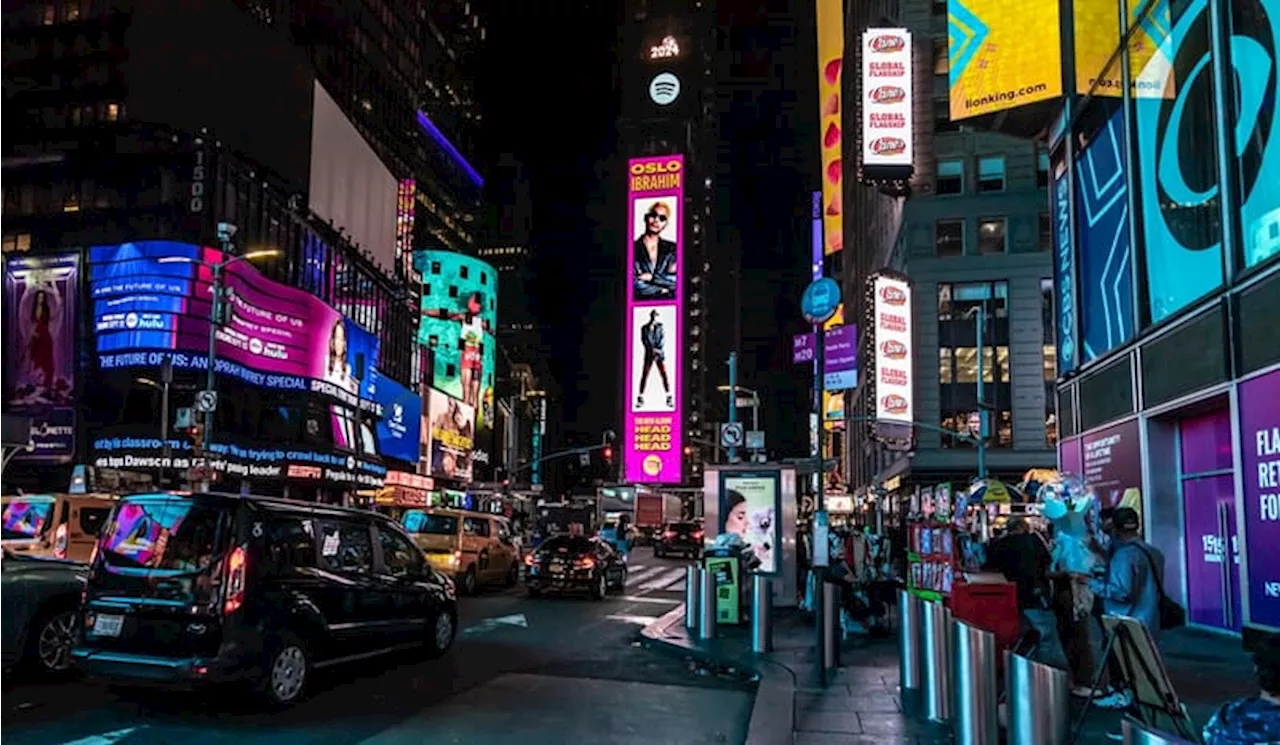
[733, 400]
[981, 320]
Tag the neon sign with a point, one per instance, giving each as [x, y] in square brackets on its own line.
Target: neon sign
[666, 50]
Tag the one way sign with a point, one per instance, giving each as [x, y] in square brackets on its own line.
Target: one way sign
[731, 435]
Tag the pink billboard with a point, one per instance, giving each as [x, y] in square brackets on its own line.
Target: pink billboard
[651, 433]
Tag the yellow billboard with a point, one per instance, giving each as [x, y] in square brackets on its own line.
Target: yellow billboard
[830, 70]
[1002, 54]
[1098, 36]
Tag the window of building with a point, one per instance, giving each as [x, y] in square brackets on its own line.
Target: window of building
[967, 424]
[992, 235]
[991, 173]
[941, 64]
[995, 364]
[1042, 169]
[948, 238]
[944, 365]
[19, 242]
[1046, 232]
[1049, 361]
[942, 117]
[939, 7]
[950, 177]
[955, 301]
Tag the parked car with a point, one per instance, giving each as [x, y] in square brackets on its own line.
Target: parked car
[575, 563]
[474, 548]
[39, 612]
[62, 526]
[189, 588]
[684, 538]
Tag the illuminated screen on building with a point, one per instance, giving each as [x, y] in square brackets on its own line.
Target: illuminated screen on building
[654, 320]
[1002, 54]
[459, 316]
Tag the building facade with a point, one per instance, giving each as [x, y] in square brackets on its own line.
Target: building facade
[972, 234]
[1164, 217]
[121, 135]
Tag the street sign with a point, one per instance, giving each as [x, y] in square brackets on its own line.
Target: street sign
[731, 435]
[755, 439]
[584, 459]
[183, 419]
[745, 402]
[206, 402]
[820, 300]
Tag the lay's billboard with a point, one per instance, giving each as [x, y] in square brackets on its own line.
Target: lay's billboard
[830, 68]
[1098, 36]
[1003, 54]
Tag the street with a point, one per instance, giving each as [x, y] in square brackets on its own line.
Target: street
[547, 670]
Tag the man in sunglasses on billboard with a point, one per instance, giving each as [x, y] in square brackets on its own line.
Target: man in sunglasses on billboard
[655, 257]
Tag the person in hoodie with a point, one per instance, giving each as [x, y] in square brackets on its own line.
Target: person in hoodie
[1254, 720]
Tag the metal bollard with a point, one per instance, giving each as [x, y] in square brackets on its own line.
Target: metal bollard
[909, 663]
[1039, 697]
[976, 706]
[692, 596]
[761, 610]
[830, 626]
[937, 661]
[707, 606]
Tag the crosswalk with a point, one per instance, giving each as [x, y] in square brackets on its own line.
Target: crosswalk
[661, 577]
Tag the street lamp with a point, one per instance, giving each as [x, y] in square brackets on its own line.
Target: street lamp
[226, 232]
[979, 313]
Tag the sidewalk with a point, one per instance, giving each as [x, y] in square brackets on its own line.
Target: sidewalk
[862, 705]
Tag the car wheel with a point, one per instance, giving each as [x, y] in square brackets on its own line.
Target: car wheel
[600, 588]
[443, 630]
[469, 581]
[287, 671]
[50, 640]
[657, 553]
[622, 581]
[513, 576]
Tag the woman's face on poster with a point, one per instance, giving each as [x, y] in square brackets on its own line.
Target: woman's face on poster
[736, 520]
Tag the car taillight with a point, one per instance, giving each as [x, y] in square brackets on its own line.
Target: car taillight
[586, 563]
[669, 534]
[697, 535]
[235, 573]
[60, 542]
[528, 560]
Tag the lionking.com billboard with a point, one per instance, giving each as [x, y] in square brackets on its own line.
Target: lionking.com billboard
[654, 319]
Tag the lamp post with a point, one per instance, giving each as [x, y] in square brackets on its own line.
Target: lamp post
[226, 232]
[979, 312]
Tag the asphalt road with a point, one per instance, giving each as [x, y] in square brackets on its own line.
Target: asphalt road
[545, 671]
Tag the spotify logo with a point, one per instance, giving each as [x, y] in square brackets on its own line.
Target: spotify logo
[664, 89]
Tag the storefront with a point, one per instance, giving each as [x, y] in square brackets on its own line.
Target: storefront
[1204, 470]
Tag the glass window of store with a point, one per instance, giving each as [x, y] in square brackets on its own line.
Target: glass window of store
[1176, 143]
[1209, 519]
[1257, 170]
[958, 361]
[1049, 359]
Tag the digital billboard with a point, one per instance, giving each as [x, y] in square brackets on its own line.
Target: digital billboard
[1002, 54]
[1097, 37]
[40, 309]
[651, 441]
[151, 300]
[459, 317]
[830, 69]
[1255, 26]
[398, 429]
[1064, 265]
[886, 98]
[894, 387]
[451, 436]
[1102, 241]
[1178, 167]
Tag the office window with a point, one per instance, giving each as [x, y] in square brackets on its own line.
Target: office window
[991, 173]
[967, 424]
[950, 177]
[957, 300]
[992, 235]
[1042, 169]
[944, 365]
[1046, 232]
[941, 64]
[948, 238]
[995, 364]
[939, 7]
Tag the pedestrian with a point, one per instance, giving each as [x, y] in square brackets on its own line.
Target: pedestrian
[1023, 557]
[1130, 585]
[1254, 720]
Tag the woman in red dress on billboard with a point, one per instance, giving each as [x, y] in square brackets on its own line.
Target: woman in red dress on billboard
[40, 341]
[471, 369]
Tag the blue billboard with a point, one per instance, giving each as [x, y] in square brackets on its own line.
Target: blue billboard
[1256, 38]
[1104, 251]
[1178, 166]
[1064, 269]
[401, 424]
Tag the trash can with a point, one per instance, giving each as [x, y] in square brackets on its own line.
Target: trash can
[975, 704]
[1039, 697]
[937, 661]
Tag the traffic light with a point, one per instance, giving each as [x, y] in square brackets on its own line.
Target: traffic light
[607, 452]
[196, 433]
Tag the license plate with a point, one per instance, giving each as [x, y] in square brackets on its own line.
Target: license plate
[108, 625]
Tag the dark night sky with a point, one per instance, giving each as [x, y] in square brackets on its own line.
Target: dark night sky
[550, 100]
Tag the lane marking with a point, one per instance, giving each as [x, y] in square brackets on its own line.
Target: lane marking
[657, 601]
[669, 578]
[638, 620]
[489, 624]
[105, 738]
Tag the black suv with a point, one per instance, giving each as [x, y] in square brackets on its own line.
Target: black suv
[192, 588]
[680, 538]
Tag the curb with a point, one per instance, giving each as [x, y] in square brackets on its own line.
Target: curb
[772, 712]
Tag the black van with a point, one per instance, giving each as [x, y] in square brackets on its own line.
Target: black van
[191, 588]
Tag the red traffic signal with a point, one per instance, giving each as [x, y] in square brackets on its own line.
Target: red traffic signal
[608, 454]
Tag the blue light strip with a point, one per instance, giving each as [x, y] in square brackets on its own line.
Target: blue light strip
[442, 141]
